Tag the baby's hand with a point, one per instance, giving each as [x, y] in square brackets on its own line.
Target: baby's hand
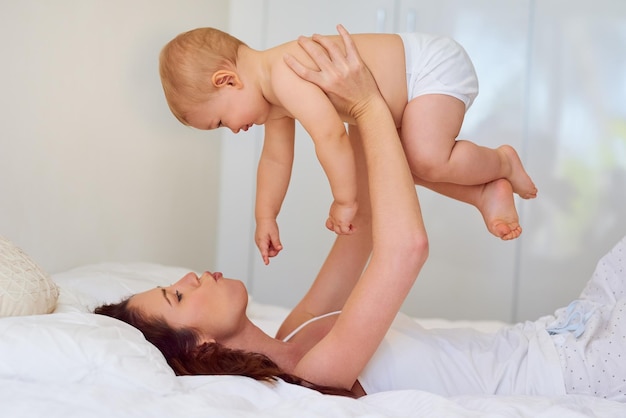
[267, 239]
[340, 218]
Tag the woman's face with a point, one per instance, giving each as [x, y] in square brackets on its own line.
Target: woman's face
[211, 304]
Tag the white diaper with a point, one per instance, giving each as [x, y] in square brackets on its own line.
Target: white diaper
[438, 65]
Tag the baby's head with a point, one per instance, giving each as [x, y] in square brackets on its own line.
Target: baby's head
[187, 63]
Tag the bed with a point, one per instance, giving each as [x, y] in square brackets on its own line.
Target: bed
[72, 363]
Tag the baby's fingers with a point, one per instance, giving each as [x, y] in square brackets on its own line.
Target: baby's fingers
[275, 245]
[265, 255]
[340, 229]
[263, 246]
[344, 229]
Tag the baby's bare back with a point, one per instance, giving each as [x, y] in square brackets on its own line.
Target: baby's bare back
[383, 54]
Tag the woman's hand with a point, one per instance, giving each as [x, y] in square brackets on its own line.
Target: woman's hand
[343, 76]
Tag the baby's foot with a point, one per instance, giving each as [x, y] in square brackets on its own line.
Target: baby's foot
[498, 209]
[520, 180]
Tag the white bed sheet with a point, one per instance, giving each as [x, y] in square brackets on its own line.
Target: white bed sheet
[76, 364]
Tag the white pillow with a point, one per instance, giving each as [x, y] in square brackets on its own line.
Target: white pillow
[86, 287]
[24, 288]
[77, 347]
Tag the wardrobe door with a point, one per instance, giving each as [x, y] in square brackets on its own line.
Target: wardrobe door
[470, 273]
[577, 140]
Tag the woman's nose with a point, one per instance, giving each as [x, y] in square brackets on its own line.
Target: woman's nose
[190, 278]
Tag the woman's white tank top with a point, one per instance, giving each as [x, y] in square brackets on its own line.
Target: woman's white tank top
[515, 360]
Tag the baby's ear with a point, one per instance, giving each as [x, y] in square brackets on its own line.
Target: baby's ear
[223, 78]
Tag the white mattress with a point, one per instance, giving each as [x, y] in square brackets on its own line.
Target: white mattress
[76, 364]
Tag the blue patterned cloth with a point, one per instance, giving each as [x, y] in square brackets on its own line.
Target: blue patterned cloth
[576, 316]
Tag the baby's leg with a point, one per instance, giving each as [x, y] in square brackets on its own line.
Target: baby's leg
[430, 126]
[494, 200]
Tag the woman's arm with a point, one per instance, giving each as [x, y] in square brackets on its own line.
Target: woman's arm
[345, 261]
[400, 245]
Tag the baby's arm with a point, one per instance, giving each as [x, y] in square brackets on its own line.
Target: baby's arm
[273, 176]
[310, 106]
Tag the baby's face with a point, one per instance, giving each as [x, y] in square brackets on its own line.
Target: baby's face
[237, 108]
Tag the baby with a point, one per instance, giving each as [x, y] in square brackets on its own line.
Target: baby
[212, 80]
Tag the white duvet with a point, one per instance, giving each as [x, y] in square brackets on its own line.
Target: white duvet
[72, 363]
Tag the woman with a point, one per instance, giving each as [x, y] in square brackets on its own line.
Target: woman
[338, 338]
[333, 350]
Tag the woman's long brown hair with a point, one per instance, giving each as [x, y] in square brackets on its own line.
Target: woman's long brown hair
[186, 357]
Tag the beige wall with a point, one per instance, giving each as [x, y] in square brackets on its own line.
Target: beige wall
[93, 167]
